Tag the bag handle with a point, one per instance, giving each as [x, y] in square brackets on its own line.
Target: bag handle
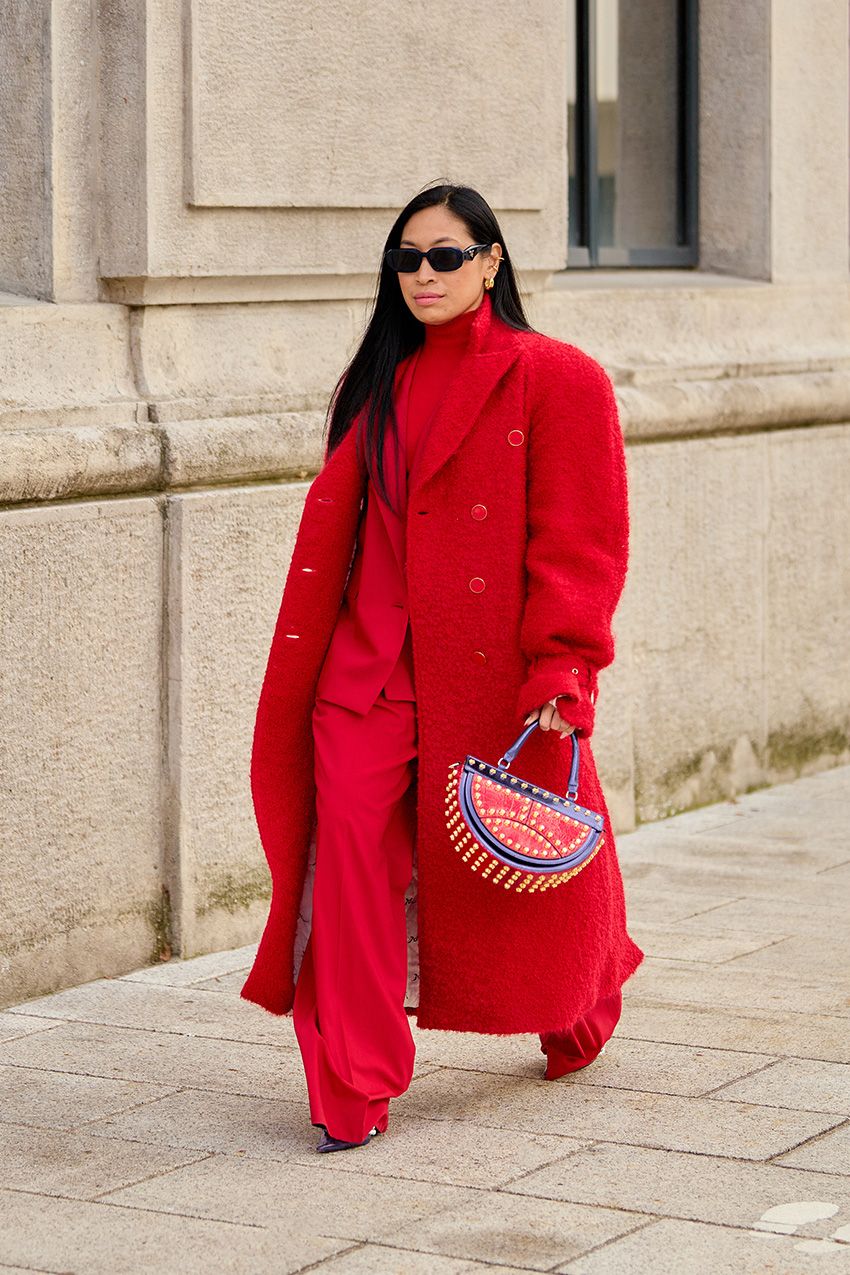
[510, 754]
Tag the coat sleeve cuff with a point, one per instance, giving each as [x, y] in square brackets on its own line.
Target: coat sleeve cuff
[571, 682]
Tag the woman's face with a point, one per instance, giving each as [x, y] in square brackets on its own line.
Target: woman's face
[435, 296]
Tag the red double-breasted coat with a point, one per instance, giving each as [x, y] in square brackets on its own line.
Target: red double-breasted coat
[507, 609]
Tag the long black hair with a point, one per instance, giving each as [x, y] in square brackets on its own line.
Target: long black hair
[393, 332]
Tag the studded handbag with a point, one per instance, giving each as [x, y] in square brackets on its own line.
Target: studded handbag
[515, 833]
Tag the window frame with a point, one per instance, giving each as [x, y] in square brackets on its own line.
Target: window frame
[588, 254]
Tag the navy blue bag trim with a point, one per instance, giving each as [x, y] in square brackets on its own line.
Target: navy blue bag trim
[473, 836]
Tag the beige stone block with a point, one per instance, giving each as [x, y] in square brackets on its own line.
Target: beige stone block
[53, 1100]
[229, 545]
[647, 325]
[827, 1154]
[75, 1165]
[325, 77]
[281, 357]
[751, 1028]
[698, 1247]
[698, 1188]
[64, 363]
[746, 1131]
[531, 1234]
[808, 603]
[701, 609]
[80, 636]
[310, 1200]
[799, 1083]
[105, 1239]
[809, 218]
[250, 160]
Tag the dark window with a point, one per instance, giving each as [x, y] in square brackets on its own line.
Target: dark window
[632, 133]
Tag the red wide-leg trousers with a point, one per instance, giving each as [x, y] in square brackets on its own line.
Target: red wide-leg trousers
[348, 1013]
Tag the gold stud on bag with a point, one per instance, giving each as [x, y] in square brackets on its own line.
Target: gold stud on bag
[515, 833]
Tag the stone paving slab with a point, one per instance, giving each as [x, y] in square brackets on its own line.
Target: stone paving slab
[757, 1029]
[199, 1062]
[697, 1188]
[635, 1064]
[15, 1025]
[796, 1083]
[61, 1100]
[828, 1154]
[697, 1248]
[104, 1239]
[157, 1122]
[73, 1164]
[528, 1232]
[744, 1130]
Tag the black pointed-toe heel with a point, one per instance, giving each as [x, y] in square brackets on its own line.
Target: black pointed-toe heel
[338, 1144]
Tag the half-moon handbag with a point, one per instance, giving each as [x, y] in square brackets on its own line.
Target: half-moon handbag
[515, 833]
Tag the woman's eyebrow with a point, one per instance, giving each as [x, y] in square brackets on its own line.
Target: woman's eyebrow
[442, 239]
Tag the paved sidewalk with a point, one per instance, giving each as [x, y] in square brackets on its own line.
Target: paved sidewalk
[156, 1122]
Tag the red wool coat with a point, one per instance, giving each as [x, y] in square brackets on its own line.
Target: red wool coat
[506, 611]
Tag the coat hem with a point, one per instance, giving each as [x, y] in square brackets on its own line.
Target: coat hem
[428, 1019]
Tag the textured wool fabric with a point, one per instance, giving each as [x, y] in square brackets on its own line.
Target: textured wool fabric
[517, 547]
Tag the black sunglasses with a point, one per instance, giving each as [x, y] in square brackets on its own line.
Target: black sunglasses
[406, 260]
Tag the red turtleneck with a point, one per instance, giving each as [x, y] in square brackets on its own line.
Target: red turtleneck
[438, 357]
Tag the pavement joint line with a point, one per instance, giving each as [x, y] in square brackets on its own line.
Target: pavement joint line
[763, 947]
[747, 1075]
[163, 1031]
[661, 1093]
[430, 1252]
[559, 1159]
[833, 867]
[197, 1158]
[330, 1257]
[612, 1239]
[807, 1142]
[140, 1208]
[772, 1106]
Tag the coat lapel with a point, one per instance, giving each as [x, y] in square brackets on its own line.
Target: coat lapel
[493, 348]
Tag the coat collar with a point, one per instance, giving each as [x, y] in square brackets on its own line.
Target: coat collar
[492, 348]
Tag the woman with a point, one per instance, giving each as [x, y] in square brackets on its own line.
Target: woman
[458, 563]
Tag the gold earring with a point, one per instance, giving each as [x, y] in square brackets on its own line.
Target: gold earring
[488, 283]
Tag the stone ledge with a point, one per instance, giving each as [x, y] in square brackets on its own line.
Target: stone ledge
[57, 462]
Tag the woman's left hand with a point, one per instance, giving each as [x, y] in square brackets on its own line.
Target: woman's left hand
[550, 719]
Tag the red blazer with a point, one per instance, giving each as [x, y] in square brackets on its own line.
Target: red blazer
[371, 647]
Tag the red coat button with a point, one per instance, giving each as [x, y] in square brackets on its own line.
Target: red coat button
[476, 584]
[479, 512]
[516, 437]
[479, 657]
